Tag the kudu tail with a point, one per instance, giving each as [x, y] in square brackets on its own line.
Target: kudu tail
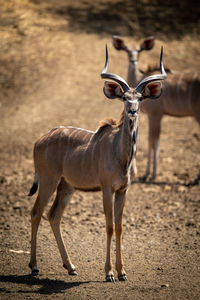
[34, 187]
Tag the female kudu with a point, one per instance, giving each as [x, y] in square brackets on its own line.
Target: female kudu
[180, 97]
[68, 158]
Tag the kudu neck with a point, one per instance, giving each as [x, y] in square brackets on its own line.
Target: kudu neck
[134, 75]
[128, 138]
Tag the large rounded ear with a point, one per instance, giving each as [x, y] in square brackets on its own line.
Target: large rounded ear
[152, 90]
[112, 90]
[118, 43]
[147, 44]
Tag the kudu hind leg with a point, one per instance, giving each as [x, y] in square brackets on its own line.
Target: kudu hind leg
[154, 137]
[46, 189]
[155, 128]
[64, 193]
[196, 112]
[197, 115]
[118, 209]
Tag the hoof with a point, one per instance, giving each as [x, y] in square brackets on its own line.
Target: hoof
[122, 277]
[73, 273]
[110, 278]
[143, 178]
[35, 271]
[152, 178]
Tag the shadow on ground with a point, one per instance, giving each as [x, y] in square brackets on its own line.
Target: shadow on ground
[129, 17]
[47, 286]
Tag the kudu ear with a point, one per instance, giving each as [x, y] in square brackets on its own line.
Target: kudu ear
[118, 43]
[112, 90]
[152, 90]
[147, 44]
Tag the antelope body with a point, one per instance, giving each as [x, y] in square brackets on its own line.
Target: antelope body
[180, 97]
[68, 158]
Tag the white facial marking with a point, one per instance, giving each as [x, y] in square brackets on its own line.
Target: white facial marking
[132, 116]
[133, 101]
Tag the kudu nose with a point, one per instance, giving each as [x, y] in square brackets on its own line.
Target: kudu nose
[133, 61]
[132, 113]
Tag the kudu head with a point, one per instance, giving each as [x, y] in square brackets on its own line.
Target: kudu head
[133, 52]
[149, 87]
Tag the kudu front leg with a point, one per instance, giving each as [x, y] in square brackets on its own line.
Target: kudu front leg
[120, 197]
[108, 210]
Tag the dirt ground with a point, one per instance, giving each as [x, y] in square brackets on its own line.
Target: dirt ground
[51, 56]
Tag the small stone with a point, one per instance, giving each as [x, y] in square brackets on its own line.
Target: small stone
[165, 285]
[182, 189]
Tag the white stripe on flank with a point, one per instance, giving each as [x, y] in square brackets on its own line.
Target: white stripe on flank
[82, 129]
[70, 127]
[35, 181]
[178, 86]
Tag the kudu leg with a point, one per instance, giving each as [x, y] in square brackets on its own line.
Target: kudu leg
[46, 189]
[64, 193]
[154, 136]
[197, 115]
[196, 112]
[108, 210]
[145, 176]
[120, 197]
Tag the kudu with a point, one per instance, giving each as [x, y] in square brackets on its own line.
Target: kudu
[68, 158]
[180, 97]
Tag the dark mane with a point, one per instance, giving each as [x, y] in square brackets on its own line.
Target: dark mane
[106, 123]
[109, 122]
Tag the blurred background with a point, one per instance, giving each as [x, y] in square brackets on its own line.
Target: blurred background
[51, 55]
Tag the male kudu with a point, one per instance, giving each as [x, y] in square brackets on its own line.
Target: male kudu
[68, 158]
[180, 96]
